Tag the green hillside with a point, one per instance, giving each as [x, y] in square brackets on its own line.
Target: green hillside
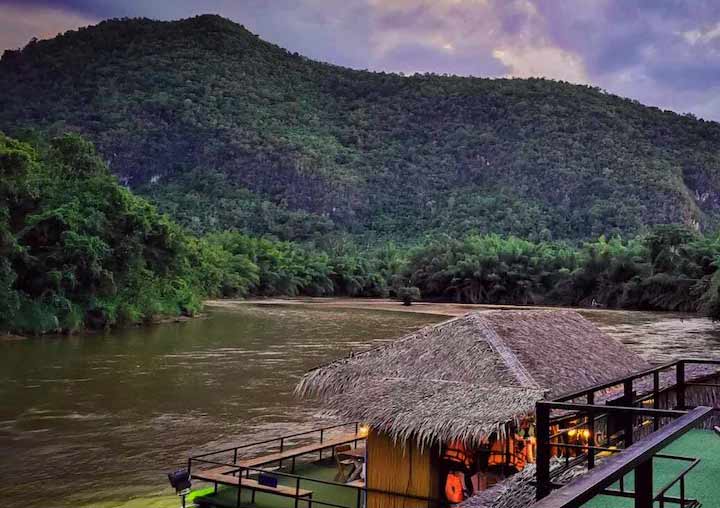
[78, 251]
[225, 130]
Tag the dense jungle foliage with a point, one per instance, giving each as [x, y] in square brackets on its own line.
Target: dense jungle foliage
[226, 131]
[78, 250]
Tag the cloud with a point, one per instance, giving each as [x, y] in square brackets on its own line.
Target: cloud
[547, 61]
[702, 36]
[664, 53]
[20, 24]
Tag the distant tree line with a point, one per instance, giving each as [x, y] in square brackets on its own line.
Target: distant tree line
[78, 250]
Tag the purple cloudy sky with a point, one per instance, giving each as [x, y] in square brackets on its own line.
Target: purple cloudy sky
[661, 52]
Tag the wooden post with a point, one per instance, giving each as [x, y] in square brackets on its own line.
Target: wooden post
[680, 387]
[644, 484]
[629, 419]
[542, 472]
[591, 429]
[656, 398]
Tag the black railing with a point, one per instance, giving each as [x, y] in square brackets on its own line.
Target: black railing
[297, 480]
[238, 470]
[278, 441]
[620, 406]
[637, 458]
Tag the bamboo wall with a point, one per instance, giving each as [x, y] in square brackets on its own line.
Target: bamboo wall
[402, 469]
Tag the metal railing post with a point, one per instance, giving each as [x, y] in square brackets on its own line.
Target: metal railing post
[542, 425]
[682, 490]
[282, 448]
[629, 425]
[680, 382]
[644, 484]
[591, 430]
[656, 398]
[239, 500]
[297, 491]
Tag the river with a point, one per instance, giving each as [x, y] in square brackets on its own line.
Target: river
[97, 420]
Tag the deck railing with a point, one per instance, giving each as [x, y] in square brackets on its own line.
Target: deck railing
[361, 491]
[638, 458]
[624, 412]
[297, 480]
[278, 441]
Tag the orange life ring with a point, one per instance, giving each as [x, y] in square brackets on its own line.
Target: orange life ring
[454, 487]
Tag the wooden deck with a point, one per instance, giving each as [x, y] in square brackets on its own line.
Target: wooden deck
[224, 474]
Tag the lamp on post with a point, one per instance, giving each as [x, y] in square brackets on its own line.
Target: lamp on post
[180, 481]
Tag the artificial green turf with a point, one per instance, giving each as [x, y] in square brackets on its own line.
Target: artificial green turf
[702, 483]
[336, 495]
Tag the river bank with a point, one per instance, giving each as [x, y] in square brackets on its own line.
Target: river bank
[435, 308]
[374, 304]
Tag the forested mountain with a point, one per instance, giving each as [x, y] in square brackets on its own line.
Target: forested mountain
[224, 130]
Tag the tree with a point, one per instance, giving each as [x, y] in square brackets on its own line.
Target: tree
[408, 294]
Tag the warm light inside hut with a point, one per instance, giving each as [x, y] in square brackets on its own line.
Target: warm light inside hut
[467, 469]
[363, 430]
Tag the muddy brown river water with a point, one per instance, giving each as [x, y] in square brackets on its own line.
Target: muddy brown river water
[98, 420]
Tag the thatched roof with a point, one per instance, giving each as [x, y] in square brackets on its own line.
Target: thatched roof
[466, 377]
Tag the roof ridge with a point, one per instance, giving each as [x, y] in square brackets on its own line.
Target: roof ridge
[508, 356]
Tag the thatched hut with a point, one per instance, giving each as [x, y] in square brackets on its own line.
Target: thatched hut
[470, 383]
